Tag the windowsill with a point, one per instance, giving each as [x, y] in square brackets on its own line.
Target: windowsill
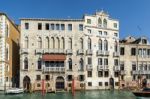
[38, 69]
[24, 69]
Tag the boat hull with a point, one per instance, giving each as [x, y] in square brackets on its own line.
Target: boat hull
[142, 94]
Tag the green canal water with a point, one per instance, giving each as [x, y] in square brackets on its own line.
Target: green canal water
[78, 95]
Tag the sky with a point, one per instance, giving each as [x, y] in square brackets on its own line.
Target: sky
[133, 15]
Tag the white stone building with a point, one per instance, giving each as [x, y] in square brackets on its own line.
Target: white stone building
[59, 50]
[134, 60]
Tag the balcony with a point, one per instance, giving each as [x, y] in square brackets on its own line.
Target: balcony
[53, 69]
[69, 51]
[106, 67]
[116, 54]
[61, 51]
[89, 67]
[137, 72]
[24, 51]
[46, 51]
[122, 72]
[106, 53]
[116, 68]
[100, 67]
[100, 53]
[80, 51]
[89, 52]
[38, 51]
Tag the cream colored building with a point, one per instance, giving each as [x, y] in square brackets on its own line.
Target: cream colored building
[59, 50]
[9, 53]
[134, 60]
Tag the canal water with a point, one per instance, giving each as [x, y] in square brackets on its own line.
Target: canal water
[78, 95]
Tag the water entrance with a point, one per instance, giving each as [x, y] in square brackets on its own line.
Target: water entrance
[60, 83]
[26, 83]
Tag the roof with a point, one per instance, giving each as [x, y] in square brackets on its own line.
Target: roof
[49, 19]
[10, 21]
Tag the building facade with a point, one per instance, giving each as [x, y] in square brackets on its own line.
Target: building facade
[60, 50]
[134, 60]
[9, 53]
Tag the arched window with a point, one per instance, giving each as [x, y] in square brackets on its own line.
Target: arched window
[105, 45]
[26, 42]
[89, 43]
[81, 43]
[105, 23]
[47, 43]
[99, 22]
[26, 63]
[39, 63]
[63, 43]
[116, 46]
[39, 42]
[70, 63]
[70, 43]
[81, 64]
[100, 45]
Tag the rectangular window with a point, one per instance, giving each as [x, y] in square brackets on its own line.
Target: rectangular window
[106, 83]
[100, 84]
[80, 27]
[133, 66]
[133, 51]
[106, 73]
[70, 27]
[38, 77]
[57, 26]
[100, 61]
[116, 83]
[89, 83]
[100, 73]
[52, 27]
[26, 26]
[81, 77]
[100, 32]
[122, 66]
[105, 61]
[47, 26]
[116, 62]
[39, 26]
[115, 25]
[6, 79]
[116, 74]
[89, 73]
[89, 61]
[69, 77]
[88, 21]
[47, 77]
[116, 34]
[62, 26]
[121, 50]
[89, 31]
[105, 33]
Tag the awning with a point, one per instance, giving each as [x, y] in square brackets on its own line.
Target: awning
[49, 57]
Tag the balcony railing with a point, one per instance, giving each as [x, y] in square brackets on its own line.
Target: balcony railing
[140, 72]
[116, 68]
[53, 69]
[89, 52]
[80, 51]
[69, 51]
[106, 53]
[24, 51]
[61, 51]
[100, 67]
[39, 51]
[100, 53]
[123, 72]
[89, 67]
[116, 54]
[106, 67]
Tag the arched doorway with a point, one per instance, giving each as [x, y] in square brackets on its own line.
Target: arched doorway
[111, 82]
[26, 83]
[60, 83]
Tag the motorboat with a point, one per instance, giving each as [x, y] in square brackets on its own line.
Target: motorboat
[143, 93]
[14, 91]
